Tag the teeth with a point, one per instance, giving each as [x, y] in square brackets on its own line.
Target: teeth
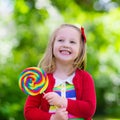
[65, 52]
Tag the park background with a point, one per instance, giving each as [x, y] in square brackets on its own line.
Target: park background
[25, 28]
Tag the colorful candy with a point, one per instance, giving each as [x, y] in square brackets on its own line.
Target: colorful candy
[33, 81]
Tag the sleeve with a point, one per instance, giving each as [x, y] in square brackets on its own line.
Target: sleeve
[85, 106]
[33, 111]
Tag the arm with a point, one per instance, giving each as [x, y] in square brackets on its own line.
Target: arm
[32, 110]
[85, 104]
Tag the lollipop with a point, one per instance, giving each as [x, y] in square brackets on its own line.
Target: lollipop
[33, 81]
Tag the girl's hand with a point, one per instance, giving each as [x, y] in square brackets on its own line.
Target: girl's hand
[61, 114]
[54, 99]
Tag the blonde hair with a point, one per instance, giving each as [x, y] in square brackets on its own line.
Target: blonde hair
[48, 60]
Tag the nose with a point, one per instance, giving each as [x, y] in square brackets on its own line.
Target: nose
[66, 44]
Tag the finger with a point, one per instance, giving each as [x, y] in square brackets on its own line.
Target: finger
[50, 101]
[47, 96]
[66, 113]
[63, 109]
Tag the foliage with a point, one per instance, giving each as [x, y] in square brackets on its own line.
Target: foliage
[29, 27]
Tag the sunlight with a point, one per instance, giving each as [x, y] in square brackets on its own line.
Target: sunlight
[6, 30]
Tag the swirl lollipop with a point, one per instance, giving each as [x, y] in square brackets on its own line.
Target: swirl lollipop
[33, 81]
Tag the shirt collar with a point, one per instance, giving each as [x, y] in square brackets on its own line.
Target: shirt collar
[60, 81]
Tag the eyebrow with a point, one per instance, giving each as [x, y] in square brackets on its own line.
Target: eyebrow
[59, 37]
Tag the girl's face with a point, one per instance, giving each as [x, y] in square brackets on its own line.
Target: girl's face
[66, 46]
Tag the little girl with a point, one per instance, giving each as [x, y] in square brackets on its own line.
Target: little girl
[71, 93]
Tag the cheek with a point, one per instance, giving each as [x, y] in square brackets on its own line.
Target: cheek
[55, 50]
[77, 52]
[56, 46]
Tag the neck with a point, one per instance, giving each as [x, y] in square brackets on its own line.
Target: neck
[62, 70]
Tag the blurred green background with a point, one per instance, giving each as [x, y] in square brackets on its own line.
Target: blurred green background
[25, 27]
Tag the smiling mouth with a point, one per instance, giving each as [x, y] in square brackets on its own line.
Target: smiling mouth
[65, 52]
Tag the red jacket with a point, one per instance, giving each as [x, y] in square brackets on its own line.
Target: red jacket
[36, 107]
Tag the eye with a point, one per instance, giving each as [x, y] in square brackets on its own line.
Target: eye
[73, 42]
[60, 40]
